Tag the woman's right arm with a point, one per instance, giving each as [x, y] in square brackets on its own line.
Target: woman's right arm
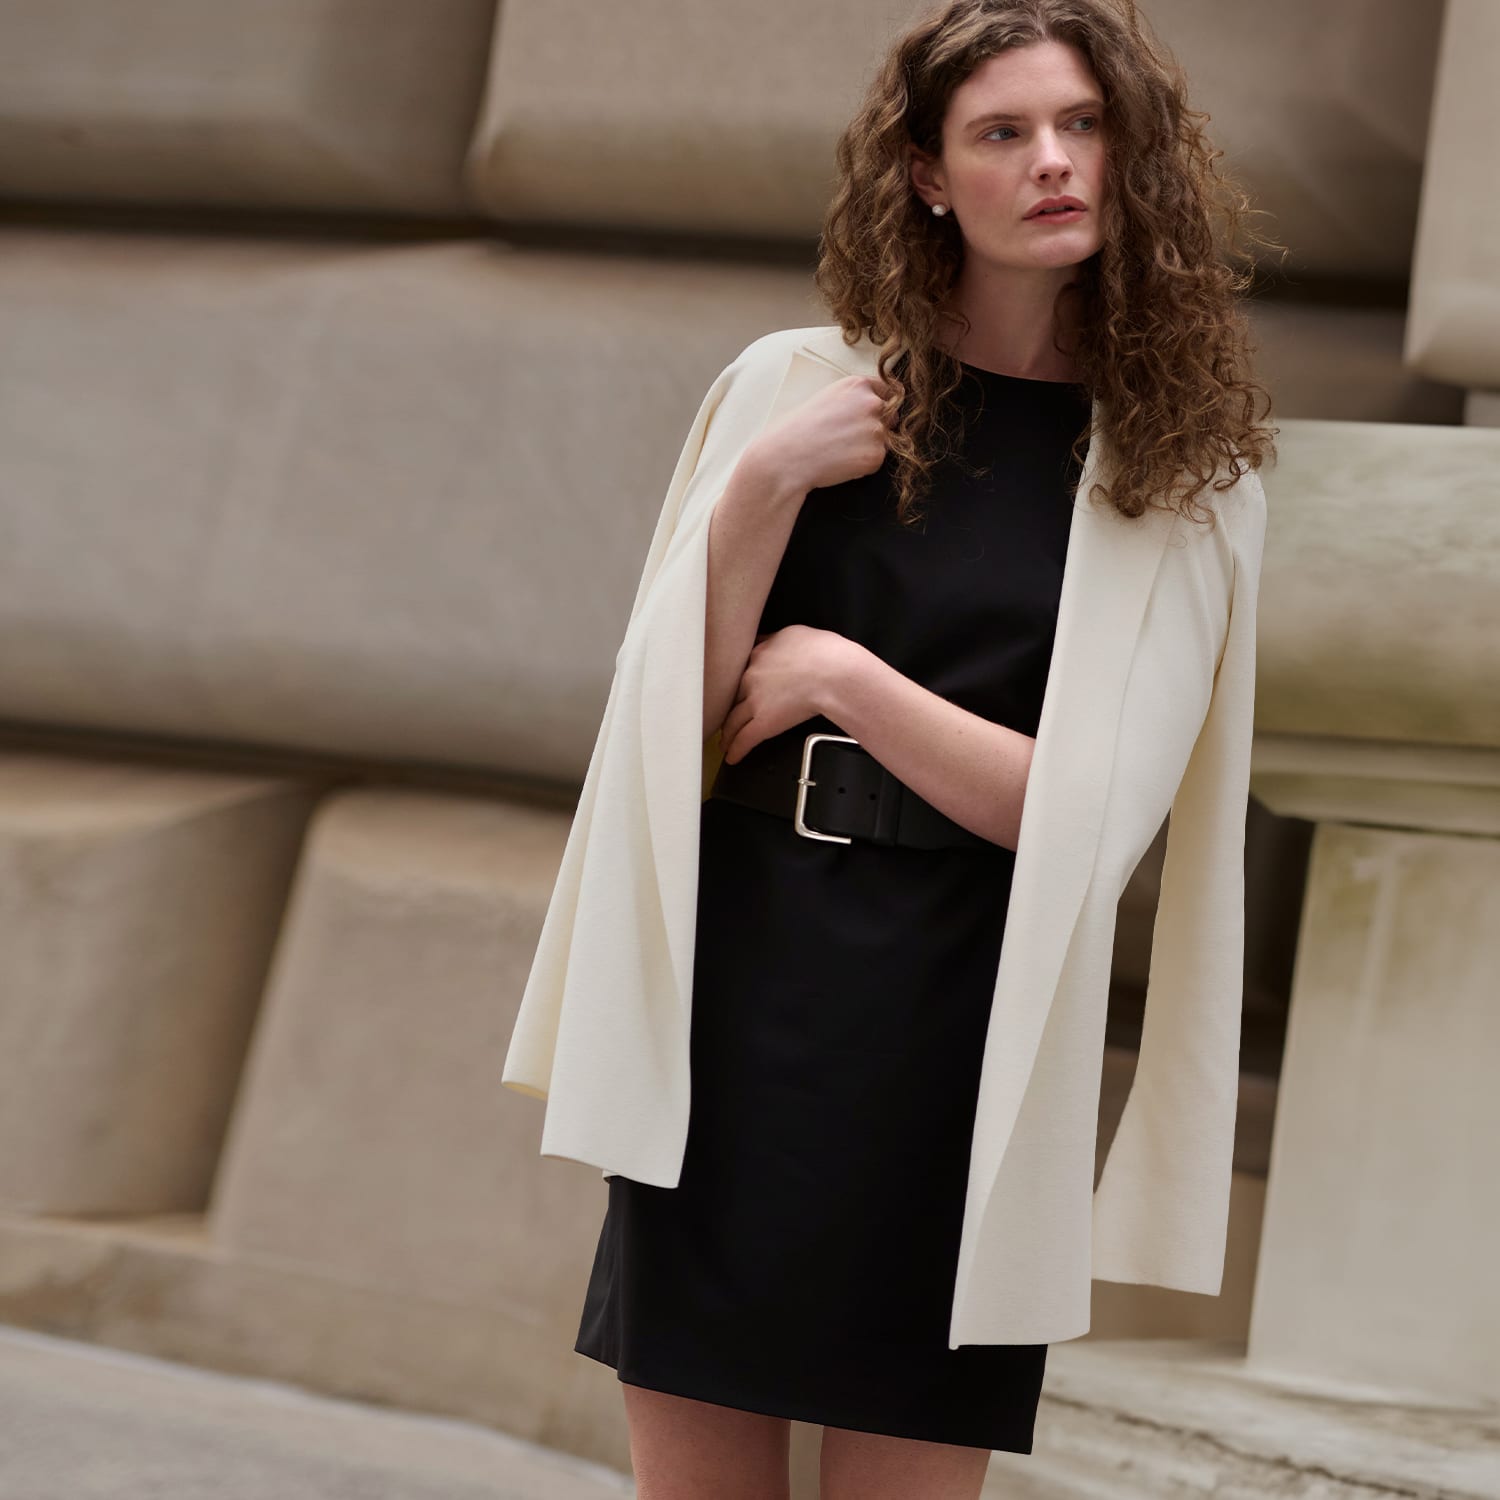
[836, 435]
[747, 535]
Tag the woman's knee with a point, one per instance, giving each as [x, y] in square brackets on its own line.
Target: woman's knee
[683, 1449]
[871, 1466]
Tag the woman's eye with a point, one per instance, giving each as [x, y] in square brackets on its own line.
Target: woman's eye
[1092, 121]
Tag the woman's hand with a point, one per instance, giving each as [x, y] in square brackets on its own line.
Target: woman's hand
[839, 434]
[784, 683]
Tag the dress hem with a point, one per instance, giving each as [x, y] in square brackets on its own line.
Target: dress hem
[797, 1411]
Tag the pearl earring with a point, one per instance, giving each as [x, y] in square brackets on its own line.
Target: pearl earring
[939, 209]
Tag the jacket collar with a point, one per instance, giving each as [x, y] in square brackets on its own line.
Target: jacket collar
[1108, 576]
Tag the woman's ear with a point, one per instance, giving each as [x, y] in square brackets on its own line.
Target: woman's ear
[926, 176]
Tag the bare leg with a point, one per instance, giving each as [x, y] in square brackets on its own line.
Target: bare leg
[682, 1449]
[870, 1466]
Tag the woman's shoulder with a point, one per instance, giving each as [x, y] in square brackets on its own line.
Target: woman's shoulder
[775, 347]
[1243, 502]
[750, 380]
[1235, 500]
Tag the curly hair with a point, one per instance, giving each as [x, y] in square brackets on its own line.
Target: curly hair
[1160, 339]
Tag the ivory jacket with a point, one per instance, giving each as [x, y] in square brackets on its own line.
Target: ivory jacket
[1148, 710]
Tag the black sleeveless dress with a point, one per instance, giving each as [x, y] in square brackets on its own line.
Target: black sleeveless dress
[804, 1265]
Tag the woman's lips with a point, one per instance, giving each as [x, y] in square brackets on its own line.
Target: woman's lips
[1062, 216]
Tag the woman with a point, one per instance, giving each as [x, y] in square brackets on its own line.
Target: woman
[1023, 225]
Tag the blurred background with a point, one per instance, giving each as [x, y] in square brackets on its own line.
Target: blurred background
[346, 348]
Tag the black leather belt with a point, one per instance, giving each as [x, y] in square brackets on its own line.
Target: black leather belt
[832, 788]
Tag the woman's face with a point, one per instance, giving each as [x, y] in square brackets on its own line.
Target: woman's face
[994, 172]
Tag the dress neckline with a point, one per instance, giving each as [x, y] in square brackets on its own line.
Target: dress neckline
[980, 371]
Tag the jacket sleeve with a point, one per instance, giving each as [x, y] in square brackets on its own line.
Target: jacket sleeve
[1162, 1204]
[533, 1044]
[601, 1029]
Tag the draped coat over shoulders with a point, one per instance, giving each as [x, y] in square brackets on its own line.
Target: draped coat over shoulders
[1148, 710]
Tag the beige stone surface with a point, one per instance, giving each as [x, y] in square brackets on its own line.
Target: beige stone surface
[1322, 112]
[164, 1287]
[1482, 408]
[1324, 362]
[139, 907]
[372, 1141]
[1379, 617]
[1454, 328]
[85, 1422]
[1430, 788]
[313, 104]
[332, 503]
[1383, 1204]
[671, 119]
[1174, 1419]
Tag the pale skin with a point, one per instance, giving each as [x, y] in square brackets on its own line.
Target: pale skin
[990, 175]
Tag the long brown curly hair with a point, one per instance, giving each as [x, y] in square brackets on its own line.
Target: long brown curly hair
[1158, 335]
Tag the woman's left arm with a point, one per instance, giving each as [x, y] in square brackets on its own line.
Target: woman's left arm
[968, 767]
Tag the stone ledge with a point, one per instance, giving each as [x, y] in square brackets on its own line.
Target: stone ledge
[1170, 1419]
[81, 1420]
[1157, 1419]
[161, 1287]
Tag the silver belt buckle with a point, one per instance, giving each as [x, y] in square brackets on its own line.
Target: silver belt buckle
[804, 781]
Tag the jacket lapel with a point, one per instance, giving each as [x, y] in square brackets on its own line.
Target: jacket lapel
[1110, 568]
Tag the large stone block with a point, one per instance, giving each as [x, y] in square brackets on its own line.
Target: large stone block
[372, 1141]
[1379, 616]
[1382, 1217]
[308, 104]
[677, 116]
[1454, 332]
[382, 503]
[139, 907]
